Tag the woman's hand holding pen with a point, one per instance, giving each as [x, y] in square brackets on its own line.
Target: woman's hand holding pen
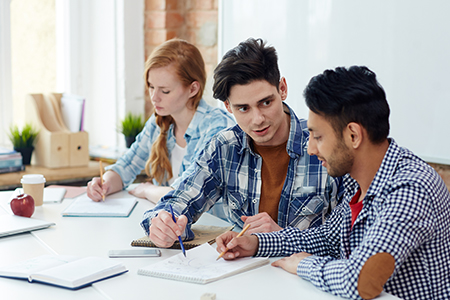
[164, 231]
[111, 183]
[96, 190]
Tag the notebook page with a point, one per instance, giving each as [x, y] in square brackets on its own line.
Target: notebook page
[200, 266]
[25, 268]
[80, 272]
[115, 205]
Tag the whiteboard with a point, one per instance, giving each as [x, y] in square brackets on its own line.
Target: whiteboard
[405, 42]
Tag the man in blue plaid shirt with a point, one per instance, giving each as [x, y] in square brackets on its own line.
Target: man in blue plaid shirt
[260, 168]
[392, 229]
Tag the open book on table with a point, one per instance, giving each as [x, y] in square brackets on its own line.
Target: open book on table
[64, 270]
[200, 266]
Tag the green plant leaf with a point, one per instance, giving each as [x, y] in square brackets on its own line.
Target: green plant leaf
[25, 138]
[132, 125]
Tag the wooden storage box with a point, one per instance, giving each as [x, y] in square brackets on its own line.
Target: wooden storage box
[56, 146]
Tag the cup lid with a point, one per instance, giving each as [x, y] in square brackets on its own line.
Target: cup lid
[32, 178]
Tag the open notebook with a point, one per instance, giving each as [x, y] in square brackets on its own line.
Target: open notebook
[64, 270]
[115, 205]
[200, 266]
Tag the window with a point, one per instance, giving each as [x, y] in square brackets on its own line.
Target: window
[33, 51]
[5, 71]
[90, 48]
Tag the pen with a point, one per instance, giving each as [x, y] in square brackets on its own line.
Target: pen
[240, 234]
[179, 237]
[101, 178]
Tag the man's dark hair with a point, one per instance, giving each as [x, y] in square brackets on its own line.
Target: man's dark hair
[249, 61]
[350, 95]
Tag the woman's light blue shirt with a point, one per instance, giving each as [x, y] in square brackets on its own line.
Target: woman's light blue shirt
[207, 121]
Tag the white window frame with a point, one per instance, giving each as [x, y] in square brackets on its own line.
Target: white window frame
[111, 80]
[6, 107]
[110, 74]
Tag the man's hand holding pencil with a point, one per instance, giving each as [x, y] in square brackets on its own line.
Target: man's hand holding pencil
[232, 245]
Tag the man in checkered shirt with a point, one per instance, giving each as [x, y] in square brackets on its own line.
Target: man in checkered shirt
[392, 229]
[260, 168]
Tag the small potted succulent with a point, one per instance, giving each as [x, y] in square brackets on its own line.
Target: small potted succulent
[23, 140]
[130, 127]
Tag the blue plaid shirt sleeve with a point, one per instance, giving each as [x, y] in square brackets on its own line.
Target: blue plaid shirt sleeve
[397, 231]
[133, 161]
[323, 240]
[196, 193]
[404, 213]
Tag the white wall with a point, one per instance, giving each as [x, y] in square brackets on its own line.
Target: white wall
[406, 42]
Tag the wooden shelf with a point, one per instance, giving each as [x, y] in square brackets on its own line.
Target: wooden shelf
[9, 181]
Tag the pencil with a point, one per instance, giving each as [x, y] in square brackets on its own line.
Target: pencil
[101, 178]
[240, 234]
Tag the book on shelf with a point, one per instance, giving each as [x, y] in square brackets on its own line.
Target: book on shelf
[6, 151]
[201, 266]
[11, 162]
[14, 155]
[203, 234]
[12, 169]
[64, 270]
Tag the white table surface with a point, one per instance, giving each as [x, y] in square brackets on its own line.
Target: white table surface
[88, 236]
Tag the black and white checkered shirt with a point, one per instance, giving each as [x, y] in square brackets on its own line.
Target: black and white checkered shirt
[406, 213]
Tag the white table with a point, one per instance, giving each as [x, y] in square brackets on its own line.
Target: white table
[96, 236]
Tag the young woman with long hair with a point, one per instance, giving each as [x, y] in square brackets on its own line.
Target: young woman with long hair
[175, 134]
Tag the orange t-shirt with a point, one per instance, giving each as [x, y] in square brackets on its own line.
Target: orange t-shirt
[273, 174]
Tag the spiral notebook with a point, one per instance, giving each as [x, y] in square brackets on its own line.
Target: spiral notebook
[203, 234]
[200, 266]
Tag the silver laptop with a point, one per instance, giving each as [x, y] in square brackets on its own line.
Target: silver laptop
[11, 224]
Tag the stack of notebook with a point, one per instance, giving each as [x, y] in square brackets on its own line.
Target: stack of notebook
[10, 161]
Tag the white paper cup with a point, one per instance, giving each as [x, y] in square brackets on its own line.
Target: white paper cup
[33, 185]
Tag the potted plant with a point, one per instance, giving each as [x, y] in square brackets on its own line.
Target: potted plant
[23, 141]
[130, 127]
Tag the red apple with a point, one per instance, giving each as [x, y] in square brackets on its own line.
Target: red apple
[23, 205]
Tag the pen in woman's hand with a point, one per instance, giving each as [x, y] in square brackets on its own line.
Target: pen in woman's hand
[101, 178]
